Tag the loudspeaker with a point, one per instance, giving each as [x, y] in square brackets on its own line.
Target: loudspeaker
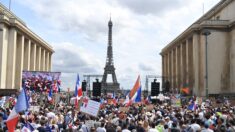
[84, 86]
[96, 89]
[155, 88]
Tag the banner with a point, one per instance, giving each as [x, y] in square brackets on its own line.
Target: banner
[110, 95]
[34, 108]
[41, 81]
[90, 107]
[199, 100]
[175, 100]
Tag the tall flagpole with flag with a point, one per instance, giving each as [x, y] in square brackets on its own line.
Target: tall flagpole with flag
[78, 91]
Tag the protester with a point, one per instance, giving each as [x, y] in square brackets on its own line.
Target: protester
[140, 117]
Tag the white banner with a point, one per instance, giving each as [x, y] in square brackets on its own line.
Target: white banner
[90, 107]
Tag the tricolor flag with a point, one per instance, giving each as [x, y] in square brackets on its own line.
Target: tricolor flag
[27, 128]
[147, 100]
[12, 120]
[21, 105]
[49, 97]
[192, 106]
[78, 91]
[135, 93]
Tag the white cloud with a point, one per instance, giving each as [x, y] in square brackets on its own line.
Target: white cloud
[141, 29]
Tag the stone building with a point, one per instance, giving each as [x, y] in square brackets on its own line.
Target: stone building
[20, 49]
[184, 59]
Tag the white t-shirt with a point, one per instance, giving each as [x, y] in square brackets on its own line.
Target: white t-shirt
[195, 127]
[207, 130]
[126, 130]
[101, 129]
[153, 130]
[51, 115]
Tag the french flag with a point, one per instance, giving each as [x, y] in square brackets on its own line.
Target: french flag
[147, 100]
[192, 106]
[21, 105]
[27, 128]
[78, 91]
[49, 97]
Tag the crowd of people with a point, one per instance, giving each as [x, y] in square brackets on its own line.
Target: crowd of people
[138, 117]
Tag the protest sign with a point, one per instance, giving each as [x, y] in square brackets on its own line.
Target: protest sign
[199, 100]
[90, 123]
[90, 107]
[34, 108]
[124, 109]
[175, 100]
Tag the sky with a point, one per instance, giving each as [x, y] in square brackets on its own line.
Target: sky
[78, 32]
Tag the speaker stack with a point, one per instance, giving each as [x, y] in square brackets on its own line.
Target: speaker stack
[96, 88]
[155, 88]
[84, 86]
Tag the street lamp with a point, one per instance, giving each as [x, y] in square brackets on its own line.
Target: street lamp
[206, 33]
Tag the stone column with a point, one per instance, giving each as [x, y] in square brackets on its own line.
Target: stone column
[190, 63]
[46, 60]
[33, 53]
[19, 61]
[172, 69]
[50, 55]
[174, 66]
[166, 67]
[11, 58]
[27, 54]
[179, 52]
[187, 62]
[42, 68]
[184, 64]
[38, 59]
[163, 69]
[196, 63]
[176, 69]
[3, 54]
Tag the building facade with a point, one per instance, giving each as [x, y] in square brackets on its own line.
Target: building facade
[184, 59]
[20, 49]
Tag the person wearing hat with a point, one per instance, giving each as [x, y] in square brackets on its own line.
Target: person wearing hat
[168, 121]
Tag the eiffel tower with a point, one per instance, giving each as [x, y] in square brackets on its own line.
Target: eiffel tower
[109, 67]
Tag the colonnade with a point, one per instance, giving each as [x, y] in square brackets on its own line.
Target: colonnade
[18, 52]
[178, 65]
